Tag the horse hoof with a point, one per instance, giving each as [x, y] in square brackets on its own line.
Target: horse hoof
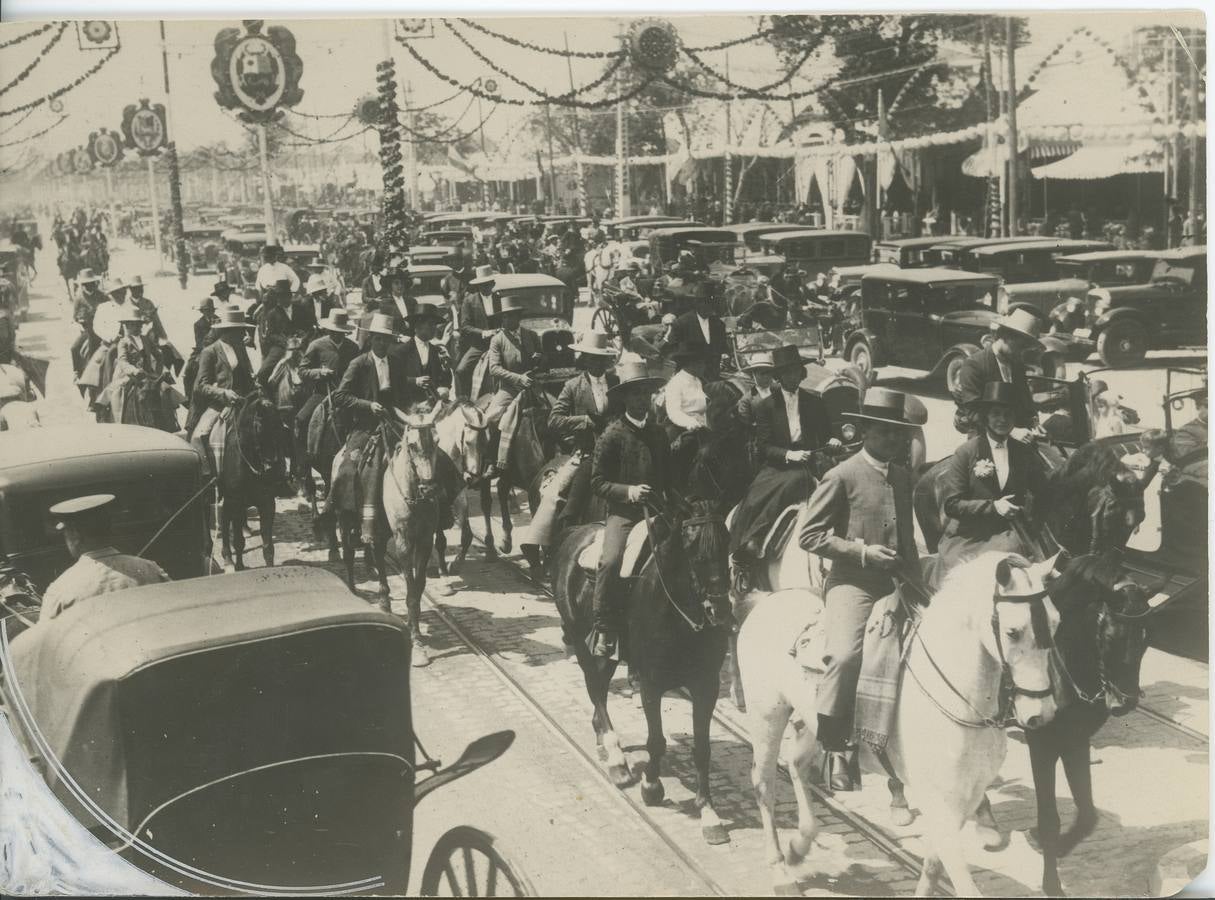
[419, 658]
[620, 777]
[504, 545]
[901, 816]
[991, 839]
[715, 834]
[652, 793]
[490, 552]
[443, 589]
[799, 849]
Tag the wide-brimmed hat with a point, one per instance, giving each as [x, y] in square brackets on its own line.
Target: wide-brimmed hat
[87, 276]
[1020, 322]
[282, 284]
[686, 350]
[594, 343]
[316, 284]
[79, 507]
[115, 284]
[882, 405]
[381, 324]
[317, 263]
[272, 245]
[786, 357]
[206, 303]
[232, 317]
[428, 308]
[759, 362]
[222, 285]
[995, 393]
[338, 320]
[635, 372]
[484, 275]
[136, 281]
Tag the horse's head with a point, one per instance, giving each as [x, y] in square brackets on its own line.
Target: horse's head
[1104, 631]
[260, 431]
[418, 443]
[1021, 637]
[705, 543]
[721, 405]
[471, 441]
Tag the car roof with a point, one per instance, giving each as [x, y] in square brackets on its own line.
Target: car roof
[640, 220]
[705, 230]
[810, 232]
[865, 268]
[511, 281]
[1184, 253]
[748, 227]
[1099, 255]
[1058, 244]
[53, 443]
[934, 275]
[429, 269]
[911, 242]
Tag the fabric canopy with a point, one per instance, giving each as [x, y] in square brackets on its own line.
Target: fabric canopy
[1094, 161]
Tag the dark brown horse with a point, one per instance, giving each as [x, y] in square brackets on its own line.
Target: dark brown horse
[673, 639]
[531, 446]
[325, 439]
[251, 470]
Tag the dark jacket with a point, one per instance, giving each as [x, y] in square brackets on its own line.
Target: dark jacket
[202, 329]
[573, 407]
[327, 352]
[772, 426]
[360, 387]
[981, 368]
[411, 365]
[472, 322]
[687, 328]
[627, 455]
[214, 375]
[969, 499]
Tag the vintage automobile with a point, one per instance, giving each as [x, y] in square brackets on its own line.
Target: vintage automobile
[160, 511]
[708, 245]
[437, 255]
[253, 736]
[930, 319]
[447, 237]
[549, 314]
[1018, 262]
[247, 224]
[204, 244]
[15, 268]
[1123, 323]
[1061, 299]
[751, 232]
[427, 280]
[815, 250]
[906, 253]
[635, 228]
[952, 251]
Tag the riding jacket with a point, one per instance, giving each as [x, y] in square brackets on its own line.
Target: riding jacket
[626, 455]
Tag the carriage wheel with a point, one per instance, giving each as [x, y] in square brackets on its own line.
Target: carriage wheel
[467, 862]
[604, 320]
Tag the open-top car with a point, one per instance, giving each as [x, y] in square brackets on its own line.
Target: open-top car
[250, 734]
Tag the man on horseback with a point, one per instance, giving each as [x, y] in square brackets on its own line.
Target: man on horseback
[580, 415]
[702, 326]
[1015, 334]
[325, 362]
[990, 484]
[512, 354]
[475, 330]
[790, 425]
[425, 371]
[630, 469]
[225, 375]
[860, 518]
[89, 297]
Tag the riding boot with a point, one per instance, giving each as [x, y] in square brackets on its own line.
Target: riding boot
[841, 767]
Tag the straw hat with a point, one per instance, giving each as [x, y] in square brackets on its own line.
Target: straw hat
[484, 275]
[882, 405]
[338, 320]
[115, 285]
[594, 343]
[232, 317]
[1020, 322]
[136, 281]
[87, 276]
[634, 372]
[381, 324]
[760, 362]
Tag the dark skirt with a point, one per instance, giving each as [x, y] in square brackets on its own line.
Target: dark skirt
[771, 493]
[954, 550]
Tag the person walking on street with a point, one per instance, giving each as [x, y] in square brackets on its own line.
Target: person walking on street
[860, 518]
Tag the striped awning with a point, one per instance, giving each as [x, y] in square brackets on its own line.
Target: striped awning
[1094, 161]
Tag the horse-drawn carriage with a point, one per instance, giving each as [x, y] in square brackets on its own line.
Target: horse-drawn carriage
[250, 734]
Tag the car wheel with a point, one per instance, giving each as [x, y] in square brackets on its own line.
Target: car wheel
[953, 369]
[1122, 344]
[861, 356]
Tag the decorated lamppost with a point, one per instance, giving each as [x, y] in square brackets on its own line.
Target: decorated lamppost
[105, 148]
[653, 47]
[144, 130]
[257, 74]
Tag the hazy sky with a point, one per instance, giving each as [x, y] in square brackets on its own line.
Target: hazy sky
[339, 58]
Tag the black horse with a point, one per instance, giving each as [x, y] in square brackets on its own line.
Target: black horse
[1099, 646]
[249, 476]
[673, 640]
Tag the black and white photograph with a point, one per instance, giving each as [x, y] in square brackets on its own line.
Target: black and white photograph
[713, 453]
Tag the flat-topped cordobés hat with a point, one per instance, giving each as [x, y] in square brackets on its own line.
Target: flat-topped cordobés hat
[882, 405]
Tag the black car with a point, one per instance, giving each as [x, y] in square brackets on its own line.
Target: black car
[1021, 262]
[1061, 297]
[1170, 311]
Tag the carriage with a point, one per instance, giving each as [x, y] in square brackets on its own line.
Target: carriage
[247, 734]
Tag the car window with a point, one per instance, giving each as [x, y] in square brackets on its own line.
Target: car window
[542, 301]
[1169, 270]
[1124, 272]
[832, 248]
[951, 298]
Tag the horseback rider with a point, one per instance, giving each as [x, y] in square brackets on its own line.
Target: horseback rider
[475, 330]
[88, 298]
[425, 369]
[274, 269]
[325, 361]
[512, 354]
[759, 370]
[630, 469]
[580, 415]
[790, 424]
[702, 326]
[399, 302]
[320, 296]
[992, 480]
[204, 333]
[1015, 334]
[225, 375]
[860, 518]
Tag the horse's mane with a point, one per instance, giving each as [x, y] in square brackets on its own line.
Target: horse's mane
[1092, 465]
[1100, 569]
[711, 542]
[956, 599]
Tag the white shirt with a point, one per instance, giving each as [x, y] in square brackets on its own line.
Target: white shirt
[794, 414]
[599, 390]
[704, 327]
[640, 423]
[883, 467]
[401, 307]
[685, 400]
[381, 370]
[1005, 370]
[105, 320]
[999, 456]
[423, 351]
[762, 393]
[229, 353]
[97, 572]
[270, 273]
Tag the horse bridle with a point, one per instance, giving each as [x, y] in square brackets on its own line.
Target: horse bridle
[709, 619]
[425, 487]
[245, 406]
[1104, 684]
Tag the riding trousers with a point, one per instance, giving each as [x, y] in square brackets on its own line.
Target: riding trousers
[848, 605]
[464, 371]
[606, 602]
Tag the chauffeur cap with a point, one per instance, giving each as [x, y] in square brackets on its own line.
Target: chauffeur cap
[79, 507]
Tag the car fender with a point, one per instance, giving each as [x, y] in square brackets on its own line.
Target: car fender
[964, 350]
[870, 337]
[1123, 314]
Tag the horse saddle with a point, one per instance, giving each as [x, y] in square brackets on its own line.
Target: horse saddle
[636, 552]
[778, 533]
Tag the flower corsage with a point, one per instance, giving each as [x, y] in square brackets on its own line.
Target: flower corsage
[984, 468]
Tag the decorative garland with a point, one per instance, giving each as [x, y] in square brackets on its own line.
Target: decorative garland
[608, 73]
[327, 139]
[734, 42]
[515, 42]
[59, 92]
[511, 101]
[29, 34]
[36, 134]
[898, 98]
[743, 89]
[24, 73]
[435, 139]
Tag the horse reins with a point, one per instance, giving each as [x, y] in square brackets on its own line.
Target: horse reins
[706, 603]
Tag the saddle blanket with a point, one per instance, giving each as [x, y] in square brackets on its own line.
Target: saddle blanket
[882, 656]
[635, 552]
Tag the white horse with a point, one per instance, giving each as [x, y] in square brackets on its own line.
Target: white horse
[990, 626]
[462, 440]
